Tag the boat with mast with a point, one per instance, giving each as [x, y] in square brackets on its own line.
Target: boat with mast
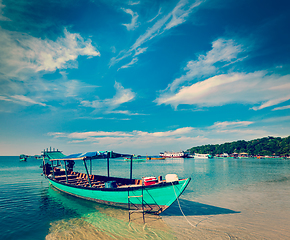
[149, 194]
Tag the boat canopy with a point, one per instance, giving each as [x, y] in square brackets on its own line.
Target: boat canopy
[54, 155]
[92, 155]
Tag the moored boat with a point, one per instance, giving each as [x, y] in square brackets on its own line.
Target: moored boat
[202, 156]
[22, 158]
[155, 158]
[135, 159]
[147, 194]
[180, 154]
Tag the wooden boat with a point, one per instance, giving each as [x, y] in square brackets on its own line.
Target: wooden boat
[135, 159]
[23, 158]
[155, 158]
[147, 194]
[202, 156]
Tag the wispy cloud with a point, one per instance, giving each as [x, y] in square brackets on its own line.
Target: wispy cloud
[22, 54]
[122, 96]
[281, 108]
[140, 51]
[22, 100]
[134, 23]
[260, 89]
[251, 88]
[133, 3]
[134, 60]
[224, 51]
[174, 18]
[2, 18]
[24, 59]
[232, 124]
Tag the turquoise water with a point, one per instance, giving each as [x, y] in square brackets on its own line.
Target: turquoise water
[31, 209]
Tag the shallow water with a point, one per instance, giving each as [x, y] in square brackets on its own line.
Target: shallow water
[226, 197]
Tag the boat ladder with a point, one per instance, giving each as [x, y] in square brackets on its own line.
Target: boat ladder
[137, 208]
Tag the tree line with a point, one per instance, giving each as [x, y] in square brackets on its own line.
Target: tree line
[266, 146]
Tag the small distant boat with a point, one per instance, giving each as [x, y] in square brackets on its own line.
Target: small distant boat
[135, 159]
[23, 158]
[180, 154]
[149, 194]
[202, 156]
[155, 158]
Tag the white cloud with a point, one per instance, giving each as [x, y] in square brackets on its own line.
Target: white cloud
[122, 96]
[23, 60]
[223, 51]
[134, 60]
[143, 142]
[133, 3]
[179, 14]
[159, 13]
[140, 51]
[134, 139]
[227, 124]
[22, 54]
[163, 25]
[251, 88]
[134, 24]
[22, 100]
[3, 18]
[174, 18]
[281, 108]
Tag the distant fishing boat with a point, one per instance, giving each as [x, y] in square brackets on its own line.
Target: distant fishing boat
[149, 194]
[180, 154]
[135, 159]
[22, 158]
[202, 156]
[155, 158]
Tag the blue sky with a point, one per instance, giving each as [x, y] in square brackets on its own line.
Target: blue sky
[142, 76]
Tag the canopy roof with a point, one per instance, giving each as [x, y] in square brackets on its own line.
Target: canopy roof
[91, 155]
[53, 155]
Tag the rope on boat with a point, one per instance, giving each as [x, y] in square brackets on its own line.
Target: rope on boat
[180, 207]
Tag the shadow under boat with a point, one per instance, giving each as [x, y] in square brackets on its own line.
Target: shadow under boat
[191, 208]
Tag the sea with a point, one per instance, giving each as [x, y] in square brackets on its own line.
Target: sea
[226, 199]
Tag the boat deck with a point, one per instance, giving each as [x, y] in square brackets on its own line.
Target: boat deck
[97, 181]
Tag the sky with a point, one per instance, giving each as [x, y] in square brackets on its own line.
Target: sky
[142, 77]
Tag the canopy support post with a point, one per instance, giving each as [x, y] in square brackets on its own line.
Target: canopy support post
[65, 171]
[91, 167]
[52, 170]
[89, 180]
[108, 164]
[131, 167]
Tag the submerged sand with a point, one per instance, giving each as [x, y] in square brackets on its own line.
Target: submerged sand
[256, 211]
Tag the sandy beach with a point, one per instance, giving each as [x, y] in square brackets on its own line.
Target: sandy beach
[256, 211]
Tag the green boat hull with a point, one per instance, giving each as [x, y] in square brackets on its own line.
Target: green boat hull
[156, 198]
